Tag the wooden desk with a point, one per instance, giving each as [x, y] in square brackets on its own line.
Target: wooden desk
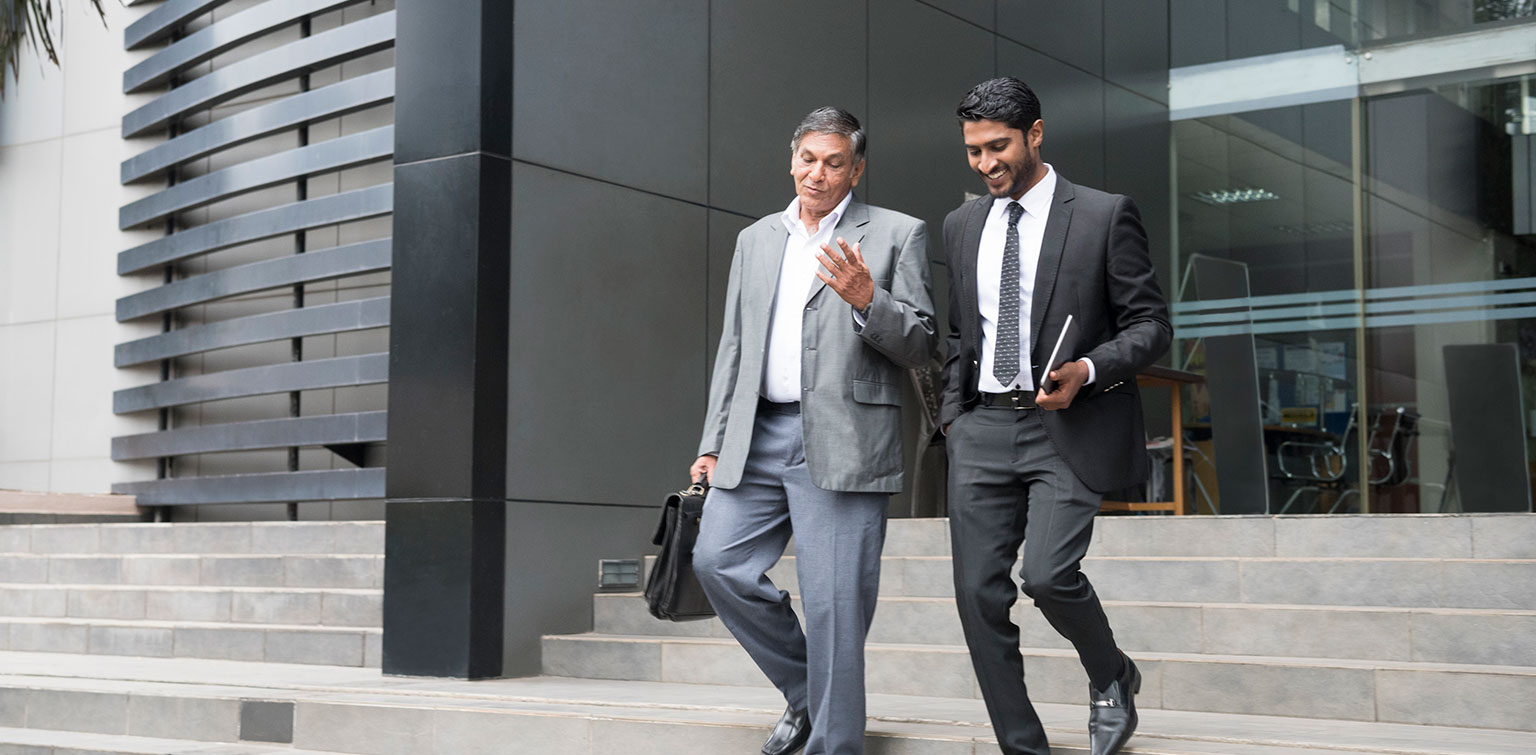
[1158, 376]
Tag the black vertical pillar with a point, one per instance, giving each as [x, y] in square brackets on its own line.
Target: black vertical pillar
[444, 569]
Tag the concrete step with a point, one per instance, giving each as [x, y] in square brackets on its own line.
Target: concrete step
[1353, 536]
[1357, 690]
[1504, 584]
[19, 507]
[1388, 634]
[261, 538]
[361, 571]
[276, 643]
[336, 710]
[14, 741]
[255, 605]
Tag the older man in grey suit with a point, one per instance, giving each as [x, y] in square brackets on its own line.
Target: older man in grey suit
[828, 302]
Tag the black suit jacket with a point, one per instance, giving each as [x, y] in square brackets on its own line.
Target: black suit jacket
[1093, 265]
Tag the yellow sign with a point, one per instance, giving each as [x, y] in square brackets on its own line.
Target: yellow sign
[1299, 415]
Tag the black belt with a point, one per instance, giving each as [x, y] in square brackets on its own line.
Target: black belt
[1015, 399]
[790, 407]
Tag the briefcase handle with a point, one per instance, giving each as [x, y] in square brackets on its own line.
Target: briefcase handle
[698, 488]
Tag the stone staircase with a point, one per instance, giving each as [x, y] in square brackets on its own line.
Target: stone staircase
[289, 592]
[1441, 651]
[1379, 621]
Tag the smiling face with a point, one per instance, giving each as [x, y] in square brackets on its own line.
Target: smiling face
[825, 170]
[1007, 159]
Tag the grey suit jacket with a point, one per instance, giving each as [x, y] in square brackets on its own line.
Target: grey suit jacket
[850, 401]
[1093, 265]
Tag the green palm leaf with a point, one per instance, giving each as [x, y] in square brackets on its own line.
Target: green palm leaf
[28, 22]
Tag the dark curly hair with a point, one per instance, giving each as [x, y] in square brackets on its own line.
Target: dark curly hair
[1005, 100]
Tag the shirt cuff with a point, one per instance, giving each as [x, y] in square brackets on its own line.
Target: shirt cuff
[859, 320]
[1092, 374]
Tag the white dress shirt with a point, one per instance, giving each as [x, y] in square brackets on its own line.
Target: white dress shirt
[781, 365]
[989, 269]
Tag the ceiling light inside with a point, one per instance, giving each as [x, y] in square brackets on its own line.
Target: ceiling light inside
[1234, 196]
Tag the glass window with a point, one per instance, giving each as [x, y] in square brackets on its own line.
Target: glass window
[1380, 347]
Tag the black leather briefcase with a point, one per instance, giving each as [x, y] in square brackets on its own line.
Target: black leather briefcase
[672, 591]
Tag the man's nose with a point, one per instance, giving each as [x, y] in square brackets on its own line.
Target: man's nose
[986, 163]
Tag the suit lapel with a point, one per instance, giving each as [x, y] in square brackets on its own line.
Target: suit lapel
[851, 228]
[768, 252]
[970, 249]
[1051, 247]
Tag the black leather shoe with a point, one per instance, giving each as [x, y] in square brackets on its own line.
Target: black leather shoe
[790, 734]
[1112, 715]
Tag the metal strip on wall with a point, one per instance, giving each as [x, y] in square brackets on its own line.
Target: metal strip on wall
[325, 264]
[214, 55]
[165, 21]
[342, 317]
[264, 120]
[326, 157]
[277, 487]
[359, 427]
[255, 381]
[221, 37]
[263, 69]
[345, 207]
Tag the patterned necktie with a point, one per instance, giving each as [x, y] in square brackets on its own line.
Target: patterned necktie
[1005, 354]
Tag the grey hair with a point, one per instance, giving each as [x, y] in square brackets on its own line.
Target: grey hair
[830, 120]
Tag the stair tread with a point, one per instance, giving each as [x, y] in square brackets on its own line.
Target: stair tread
[136, 745]
[183, 555]
[699, 704]
[120, 587]
[1348, 559]
[1201, 604]
[1139, 655]
[173, 624]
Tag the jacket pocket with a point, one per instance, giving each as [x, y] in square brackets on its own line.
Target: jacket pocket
[867, 392]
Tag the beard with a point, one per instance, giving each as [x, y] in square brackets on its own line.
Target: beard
[1019, 173]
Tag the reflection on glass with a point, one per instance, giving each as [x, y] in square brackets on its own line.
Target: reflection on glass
[1441, 228]
[1355, 330]
[1290, 222]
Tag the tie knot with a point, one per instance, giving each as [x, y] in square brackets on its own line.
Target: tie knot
[1015, 211]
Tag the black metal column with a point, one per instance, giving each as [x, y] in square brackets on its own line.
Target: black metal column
[444, 574]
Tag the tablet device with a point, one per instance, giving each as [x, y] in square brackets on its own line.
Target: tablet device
[1060, 355]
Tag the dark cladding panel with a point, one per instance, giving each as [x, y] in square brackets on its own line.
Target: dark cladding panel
[447, 379]
[983, 13]
[1136, 163]
[1136, 46]
[922, 62]
[550, 580]
[1072, 106]
[1197, 32]
[762, 82]
[617, 91]
[723, 229]
[456, 99]
[1261, 27]
[606, 361]
[1072, 32]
